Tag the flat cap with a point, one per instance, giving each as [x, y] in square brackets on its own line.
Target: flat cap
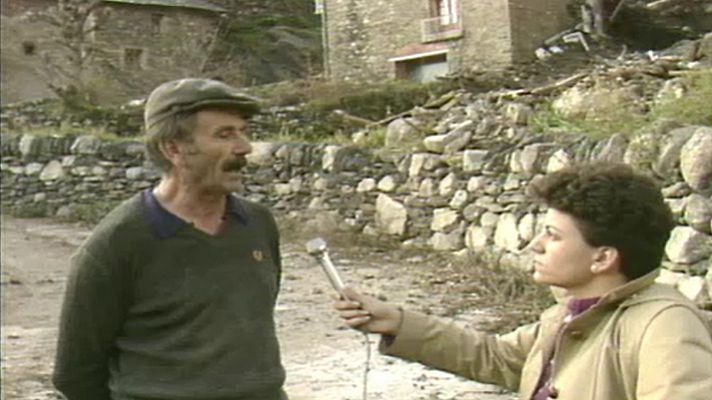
[193, 94]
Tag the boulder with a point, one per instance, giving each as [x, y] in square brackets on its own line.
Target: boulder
[698, 212]
[403, 133]
[391, 216]
[52, 171]
[506, 235]
[688, 246]
[669, 156]
[696, 160]
[444, 220]
[478, 237]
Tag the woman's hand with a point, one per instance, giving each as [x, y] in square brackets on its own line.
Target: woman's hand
[368, 314]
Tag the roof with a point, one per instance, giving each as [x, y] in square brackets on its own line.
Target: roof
[194, 4]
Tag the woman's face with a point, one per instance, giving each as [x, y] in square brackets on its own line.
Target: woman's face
[562, 257]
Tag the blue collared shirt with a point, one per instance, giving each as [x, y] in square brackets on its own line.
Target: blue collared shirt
[166, 224]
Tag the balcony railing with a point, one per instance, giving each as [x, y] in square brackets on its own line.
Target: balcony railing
[442, 27]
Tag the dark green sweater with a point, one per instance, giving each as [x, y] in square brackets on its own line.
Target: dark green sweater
[188, 316]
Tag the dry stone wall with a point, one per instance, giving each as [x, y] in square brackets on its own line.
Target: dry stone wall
[460, 190]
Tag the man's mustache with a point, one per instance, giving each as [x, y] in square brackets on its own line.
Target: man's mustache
[235, 165]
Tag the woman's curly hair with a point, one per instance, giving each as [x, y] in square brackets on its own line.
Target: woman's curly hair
[613, 206]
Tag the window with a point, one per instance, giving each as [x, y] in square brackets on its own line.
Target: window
[445, 9]
[132, 57]
[156, 20]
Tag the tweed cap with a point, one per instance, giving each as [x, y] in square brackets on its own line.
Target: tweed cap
[193, 94]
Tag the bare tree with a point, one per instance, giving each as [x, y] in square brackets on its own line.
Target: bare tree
[74, 21]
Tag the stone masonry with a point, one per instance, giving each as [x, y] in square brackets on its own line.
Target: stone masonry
[462, 192]
[365, 36]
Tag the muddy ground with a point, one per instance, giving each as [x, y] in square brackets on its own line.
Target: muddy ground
[323, 359]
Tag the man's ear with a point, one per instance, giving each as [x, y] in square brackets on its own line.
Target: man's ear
[606, 259]
[171, 150]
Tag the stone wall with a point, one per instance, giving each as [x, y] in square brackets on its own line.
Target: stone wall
[460, 190]
[174, 40]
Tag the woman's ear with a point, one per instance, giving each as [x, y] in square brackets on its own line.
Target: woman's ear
[606, 259]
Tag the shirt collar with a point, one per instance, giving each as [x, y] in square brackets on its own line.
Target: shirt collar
[166, 224]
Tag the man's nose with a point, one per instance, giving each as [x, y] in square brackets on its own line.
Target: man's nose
[242, 146]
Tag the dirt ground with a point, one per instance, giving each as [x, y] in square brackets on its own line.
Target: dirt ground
[323, 359]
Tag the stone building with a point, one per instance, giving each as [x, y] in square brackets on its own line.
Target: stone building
[136, 44]
[422, 39]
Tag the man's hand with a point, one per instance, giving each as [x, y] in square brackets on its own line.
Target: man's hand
[368, 314]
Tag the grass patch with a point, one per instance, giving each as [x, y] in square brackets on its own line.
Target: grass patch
[89, 214]
[695, 107]
[505, 291]
[692, 108]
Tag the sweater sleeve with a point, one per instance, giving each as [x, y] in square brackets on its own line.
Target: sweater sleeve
[91, 318]
[470, 353]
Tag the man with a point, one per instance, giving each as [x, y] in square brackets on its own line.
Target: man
[173, 295]
[617, 336]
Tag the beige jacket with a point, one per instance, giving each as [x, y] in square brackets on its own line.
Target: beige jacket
[642, 341]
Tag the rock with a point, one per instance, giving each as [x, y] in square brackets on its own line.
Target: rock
[262, 153]
[679, 189]
[329, 157]
[688, 246]
[696, 160]
[489, 219]
[447, 241]
[677, 207]
[474, 160]
[557, 161]
[604, 98]
[669, 157]
[435, 143]
[671, 278]
[366, 185]
[387, 184]
[444, 220]
[698, 212]
[135, 173]
[282, 189]
[613, 149]
[33, 168]
[29, 147]
[403, 133]
[87, 145]
[423, 162]
[427, 188]
[478, 238]
[476, 183]
[518, 113]
[451, 142]
[506, 235]
[448, 185]
[694, 288]
[705, 48]
[527, 227]
[528, 159]
[52, 171]
[350, 158]
[391, 216]
[459, 200]
[642, 151]
[471, 212]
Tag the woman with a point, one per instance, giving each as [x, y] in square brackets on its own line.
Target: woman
[617, 334]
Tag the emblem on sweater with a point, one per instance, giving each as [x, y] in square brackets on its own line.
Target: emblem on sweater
[257, 255]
